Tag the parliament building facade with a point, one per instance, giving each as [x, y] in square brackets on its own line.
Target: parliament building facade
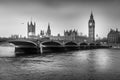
[113, 36]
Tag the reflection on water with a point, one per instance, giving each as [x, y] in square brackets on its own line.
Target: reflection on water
[7, 51]
[37, 65]
[102, 60]
[81, 56]
[99, 59]
[77, 65]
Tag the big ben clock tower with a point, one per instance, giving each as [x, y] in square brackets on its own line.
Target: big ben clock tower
[91, 26]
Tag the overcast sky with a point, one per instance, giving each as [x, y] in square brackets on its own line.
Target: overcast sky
[61, 14]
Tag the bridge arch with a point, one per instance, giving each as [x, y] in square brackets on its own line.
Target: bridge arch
[24, 47]
[84, 44]
[70, 43]
[98, 44]
[51, 43]
[92, 44]
[22, 43]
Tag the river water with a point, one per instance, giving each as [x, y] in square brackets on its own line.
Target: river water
[97, 64]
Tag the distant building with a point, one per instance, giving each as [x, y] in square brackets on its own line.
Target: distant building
[15, 36]
[70, 35]
[31, 29]
[91, 26]
[48, 31]
[60, 38]
[42, 33]
[113, 36]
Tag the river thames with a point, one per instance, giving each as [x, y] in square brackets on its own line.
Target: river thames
[97, 64]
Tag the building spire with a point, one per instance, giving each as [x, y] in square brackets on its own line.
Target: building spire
[48, 24]
[91, 16]
[31, 21]
[48, 30]
[28, 23]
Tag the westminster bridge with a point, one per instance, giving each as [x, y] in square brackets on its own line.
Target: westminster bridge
[42, 46]
[51, 42]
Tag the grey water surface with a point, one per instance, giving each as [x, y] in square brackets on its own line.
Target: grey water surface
[97, 64]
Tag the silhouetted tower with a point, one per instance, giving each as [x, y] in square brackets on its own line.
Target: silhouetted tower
[31, 29]
[91, 26]
[48, 30]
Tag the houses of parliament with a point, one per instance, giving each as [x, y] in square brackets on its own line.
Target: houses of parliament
[69, 35]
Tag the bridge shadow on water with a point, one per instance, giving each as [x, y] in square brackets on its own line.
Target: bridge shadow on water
[32, 52]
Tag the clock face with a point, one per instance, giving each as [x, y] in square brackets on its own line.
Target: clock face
[90, 24]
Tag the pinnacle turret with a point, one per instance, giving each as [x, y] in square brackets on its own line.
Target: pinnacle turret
[91, 16]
